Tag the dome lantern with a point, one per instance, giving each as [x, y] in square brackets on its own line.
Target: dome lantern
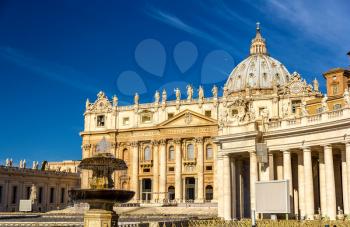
[258, 45]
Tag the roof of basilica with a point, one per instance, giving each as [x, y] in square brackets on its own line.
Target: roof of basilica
[259, 70]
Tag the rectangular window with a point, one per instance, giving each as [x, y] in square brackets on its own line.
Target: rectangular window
[171, 169]
[234, 112]
[146, 170]
[14, 195]
[336, 106]
[52, 195]
[100, 120]
[335, 89]
[28, 192]
[295, 105]
[146, 118]
[170, 115]
[0, 193]
[40, 197]
[125, 121]
[63, 192]
[207, 113]
[208, 168]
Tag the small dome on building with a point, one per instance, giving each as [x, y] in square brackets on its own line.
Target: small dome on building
[259, 70]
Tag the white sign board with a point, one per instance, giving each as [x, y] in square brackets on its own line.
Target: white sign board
[272, 197]
[25, 205]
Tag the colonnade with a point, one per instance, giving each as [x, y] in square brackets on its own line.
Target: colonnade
[319, 180]
[160, 172]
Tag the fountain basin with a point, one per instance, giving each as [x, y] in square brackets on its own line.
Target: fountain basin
[101, 198]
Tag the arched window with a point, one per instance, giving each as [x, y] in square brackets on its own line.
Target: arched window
[190, 152]
[147, 154]
[171, 153]
[209, 152]
[125, 155]
[208, 193]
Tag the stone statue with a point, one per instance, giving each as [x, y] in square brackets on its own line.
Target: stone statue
[7, 162]
[11, 162]
[225, 92]
[324, 103]
[177, 94]
[24, 164]
[115, 101]
[316, 86]
[21, 164]
[214, 91]
[136, 99]
[346, 98]
[189, 92]
[33, 193]
[35, 165]
[156, 97]
[87, 104]
[164, 96]
[303, 109]
[200, 93]
[285, 109]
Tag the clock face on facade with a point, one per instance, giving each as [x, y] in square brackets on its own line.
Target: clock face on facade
[295, 88]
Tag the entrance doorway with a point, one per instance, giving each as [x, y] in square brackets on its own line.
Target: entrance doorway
[171, 193]
[146, 190]
[190, 188]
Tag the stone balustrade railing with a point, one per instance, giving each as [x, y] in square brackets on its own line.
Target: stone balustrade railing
[27, 171]
[310, 119]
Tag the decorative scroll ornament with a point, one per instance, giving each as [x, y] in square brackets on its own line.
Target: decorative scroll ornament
[188, 118]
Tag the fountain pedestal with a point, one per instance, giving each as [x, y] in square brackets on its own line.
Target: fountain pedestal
[100, 218]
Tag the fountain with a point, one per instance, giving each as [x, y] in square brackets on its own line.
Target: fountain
[101, 196]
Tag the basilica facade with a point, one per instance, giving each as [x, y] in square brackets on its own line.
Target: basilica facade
[209, 149]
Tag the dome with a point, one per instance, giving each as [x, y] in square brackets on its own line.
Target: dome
[259, 70]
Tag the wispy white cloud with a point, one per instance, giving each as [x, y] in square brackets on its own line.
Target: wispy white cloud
[176, 22]
[326, 22]
[55, 72]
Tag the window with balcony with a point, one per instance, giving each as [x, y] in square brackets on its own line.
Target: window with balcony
[190, 152]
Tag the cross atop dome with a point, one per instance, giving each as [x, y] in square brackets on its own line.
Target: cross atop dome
[258, 45]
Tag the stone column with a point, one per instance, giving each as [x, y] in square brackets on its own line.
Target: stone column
[162, 171]
[271, 167]
[301, 185]
[135, 170]
[347, 151]
[330, 182]
[219, 179]
[240, 188]
[287, 175]
[323, 193]
[345, 182]
[178, 170]
[227, 188]
[253, 179]
[279, 166]
[309, 187]
[216, 189]
[155, 182]
[200, 169]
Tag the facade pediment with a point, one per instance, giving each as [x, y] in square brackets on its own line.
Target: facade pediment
[188, 118]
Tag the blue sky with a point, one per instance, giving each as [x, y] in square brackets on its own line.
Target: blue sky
[55, 54]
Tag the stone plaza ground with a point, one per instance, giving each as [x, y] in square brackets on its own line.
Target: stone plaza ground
[152, 217]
